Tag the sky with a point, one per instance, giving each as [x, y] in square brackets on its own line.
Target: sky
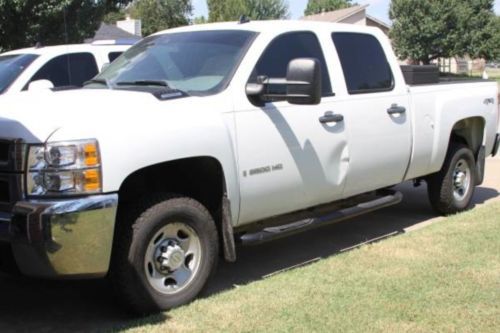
[377, 8]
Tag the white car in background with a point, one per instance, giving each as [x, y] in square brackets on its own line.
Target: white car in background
[56, 66]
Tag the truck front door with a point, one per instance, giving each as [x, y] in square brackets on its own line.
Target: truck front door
[288, 160]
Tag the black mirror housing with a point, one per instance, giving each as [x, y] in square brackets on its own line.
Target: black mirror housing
[302, 85]
[304, 81]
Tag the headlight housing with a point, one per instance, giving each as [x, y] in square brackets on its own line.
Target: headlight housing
[64, 168]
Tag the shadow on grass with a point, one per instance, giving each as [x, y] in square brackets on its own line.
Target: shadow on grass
[33, 305]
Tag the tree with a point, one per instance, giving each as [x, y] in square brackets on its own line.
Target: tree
[25, 22]
[231, 10]
[266, 9]
[159, 15]
[114, 16]
[200, 20]
[319, 6]
[427, 30]
[480, 30]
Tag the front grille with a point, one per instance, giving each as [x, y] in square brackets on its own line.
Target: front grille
[4, 191]
[12, 153]
[10, 191]
[4, 151]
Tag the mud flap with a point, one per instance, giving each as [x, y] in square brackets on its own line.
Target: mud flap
[227, 232]
[480, 165]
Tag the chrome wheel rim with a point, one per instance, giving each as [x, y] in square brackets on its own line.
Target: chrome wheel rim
[461, 180]
[173, 258]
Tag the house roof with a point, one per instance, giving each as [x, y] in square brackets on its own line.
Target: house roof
[336, 15]
[110, 32]
[379, 22]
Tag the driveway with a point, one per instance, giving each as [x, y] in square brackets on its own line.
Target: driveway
[48, 306]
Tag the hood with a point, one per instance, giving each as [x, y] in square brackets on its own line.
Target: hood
[36, 116]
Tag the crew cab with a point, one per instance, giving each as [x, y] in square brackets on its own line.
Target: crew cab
[56, 66]
[203, 138]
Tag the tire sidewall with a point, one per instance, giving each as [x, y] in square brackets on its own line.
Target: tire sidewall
[461, 154]
[174, 211]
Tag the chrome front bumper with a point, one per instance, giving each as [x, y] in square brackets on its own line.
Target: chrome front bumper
[63, 238]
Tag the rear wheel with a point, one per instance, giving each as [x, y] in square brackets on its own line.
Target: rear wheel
[451, 189]
[164, 257]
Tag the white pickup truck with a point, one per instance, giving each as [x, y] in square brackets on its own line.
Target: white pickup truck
[203, 137]
[56, 66]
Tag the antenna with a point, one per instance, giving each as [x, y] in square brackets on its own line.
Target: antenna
[65, 26]
[68, 60]
[244, 19]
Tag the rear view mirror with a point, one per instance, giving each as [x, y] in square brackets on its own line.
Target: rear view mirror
[40, 85]
[302, 84]
[304, 81]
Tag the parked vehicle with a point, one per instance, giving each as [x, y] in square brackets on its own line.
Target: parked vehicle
[56, 66]
[202, 137]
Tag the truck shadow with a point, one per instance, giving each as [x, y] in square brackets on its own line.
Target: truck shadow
[33, 305]
[261, 261]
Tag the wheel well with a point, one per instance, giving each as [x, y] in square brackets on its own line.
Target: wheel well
[200, 178]
[470, 132]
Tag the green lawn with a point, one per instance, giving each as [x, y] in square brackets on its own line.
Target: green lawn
[442, 278]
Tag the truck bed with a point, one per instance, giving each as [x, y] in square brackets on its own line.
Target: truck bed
[434, 108]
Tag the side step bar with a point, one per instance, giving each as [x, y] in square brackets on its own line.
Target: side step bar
[390, 198]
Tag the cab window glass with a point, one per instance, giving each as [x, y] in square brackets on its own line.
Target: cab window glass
[113, 55]
[274, 61]
[11, 66]
[363, 60]
[68, 70]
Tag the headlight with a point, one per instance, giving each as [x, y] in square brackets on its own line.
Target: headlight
[64, 168]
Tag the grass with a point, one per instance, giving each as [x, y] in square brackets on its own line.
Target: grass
[443, 278]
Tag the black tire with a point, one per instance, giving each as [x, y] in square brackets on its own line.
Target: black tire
[441, 185]
[135, 232]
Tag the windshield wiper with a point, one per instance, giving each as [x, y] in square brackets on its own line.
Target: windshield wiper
[100, 81]
[144, 83]
[158, 83]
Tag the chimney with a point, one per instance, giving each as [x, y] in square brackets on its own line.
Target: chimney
[132, 26]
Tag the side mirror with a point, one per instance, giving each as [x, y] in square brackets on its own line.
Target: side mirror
[40, 85]
[304, 81]
[302, 84]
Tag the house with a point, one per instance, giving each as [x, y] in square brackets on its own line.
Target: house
[458, 65]
[351, 15]
[128, 29]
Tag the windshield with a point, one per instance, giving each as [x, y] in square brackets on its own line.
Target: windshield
[197, 62]
[11, 66]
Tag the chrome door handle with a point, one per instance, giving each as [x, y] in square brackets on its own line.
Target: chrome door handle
[330, 117]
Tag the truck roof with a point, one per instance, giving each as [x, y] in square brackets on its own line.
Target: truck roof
[58, 49]
[274, 26]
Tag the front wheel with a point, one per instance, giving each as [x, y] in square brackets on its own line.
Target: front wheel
[451, 189]
[164, 257]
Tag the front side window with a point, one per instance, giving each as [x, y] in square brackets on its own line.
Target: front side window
[11, 66]
[274, 61]
[113, 55]
[68, 70]
[363, 60]
[196, 62]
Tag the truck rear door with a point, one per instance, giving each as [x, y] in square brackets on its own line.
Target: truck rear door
[375, 107]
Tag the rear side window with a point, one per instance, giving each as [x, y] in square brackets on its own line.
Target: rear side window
[113, 55]
[68, 70]
[274, 61]
[364, 63]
